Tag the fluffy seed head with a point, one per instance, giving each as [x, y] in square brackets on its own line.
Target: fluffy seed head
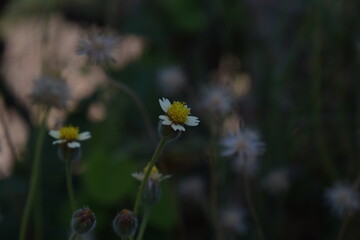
[51, 92]
[343, 199]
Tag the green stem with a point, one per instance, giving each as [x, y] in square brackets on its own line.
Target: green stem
[344, 224]
[38, 215]
[34, 176]
[144, 223]
[139, 104]
[252, 208]
[156, 155]
[214, 200]
[70, 186]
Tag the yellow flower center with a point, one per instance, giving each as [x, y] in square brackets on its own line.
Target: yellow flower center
[69, 133]
[154, 170]
[178, 112]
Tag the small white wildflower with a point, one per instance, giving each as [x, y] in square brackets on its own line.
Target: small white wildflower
[177, 114]
[97, 46]
[171, 80]
[233, 219]
[50, 91]
[154, 175]
[217, 100]
[343, 199]
[70, 136]
[276, 181]
[152, 191]
[192, 188]
[244, 144]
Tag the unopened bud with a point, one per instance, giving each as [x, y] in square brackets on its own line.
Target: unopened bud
[125, 224]
[83, 220]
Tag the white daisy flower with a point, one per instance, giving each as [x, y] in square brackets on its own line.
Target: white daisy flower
[233, 219]
[244, 144]
[70, 136]
[177, 114]
[154, 175]
[97, 46]
[343, 199]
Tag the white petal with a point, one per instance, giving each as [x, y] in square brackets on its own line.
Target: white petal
[192, 121]
[164, 177]
[73, 144]
[177, 127]
[84, 136]
[166, 120]
[138, 176]
[54, 134]
[59, 141]
[165, 104]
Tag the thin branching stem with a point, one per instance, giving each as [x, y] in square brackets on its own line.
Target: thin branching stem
[144, 222]
[34, 176]
[214, 181]
[251, 206]
[139, 104]
[343, 227]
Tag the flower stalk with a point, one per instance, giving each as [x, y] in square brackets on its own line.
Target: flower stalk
[144, 223]
[69, 185]
[138, 103]
[35, 174]
[251, 206]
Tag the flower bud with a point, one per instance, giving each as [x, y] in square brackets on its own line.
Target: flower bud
[167, 132]
[66, 153]
[83, 220]
[125, 224]
[152, 192]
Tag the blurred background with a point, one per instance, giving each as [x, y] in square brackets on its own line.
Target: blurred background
[293, 68]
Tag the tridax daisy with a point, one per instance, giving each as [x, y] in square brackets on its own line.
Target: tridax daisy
[152, 190]
[177, 114]
[70, 136]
